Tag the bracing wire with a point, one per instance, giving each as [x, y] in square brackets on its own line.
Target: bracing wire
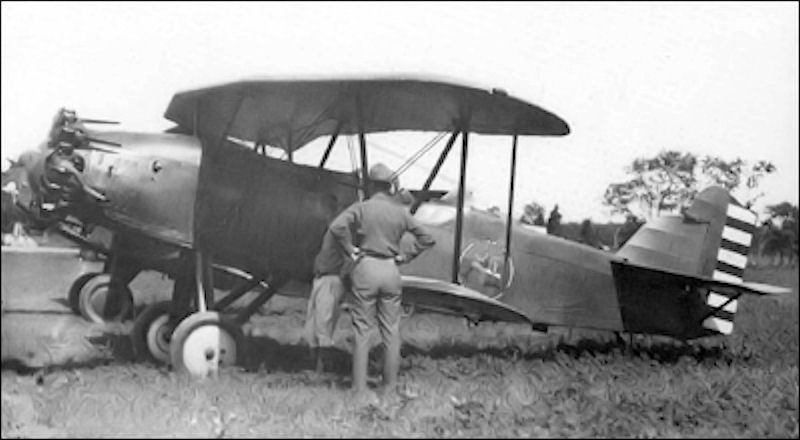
[353, 163]
[380, 147]
[418, 155]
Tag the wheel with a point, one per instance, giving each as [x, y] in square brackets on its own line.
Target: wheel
[73, 296]
[203, 342]
[151, 333]
[93, 296]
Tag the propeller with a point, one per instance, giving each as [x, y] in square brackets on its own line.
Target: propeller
[76, 138]
[68, 121]
[64, 168]
[65, 116]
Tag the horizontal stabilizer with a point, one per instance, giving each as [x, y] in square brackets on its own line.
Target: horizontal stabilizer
[679, 304]
[718, 285]
[705, 250]
[765, 289]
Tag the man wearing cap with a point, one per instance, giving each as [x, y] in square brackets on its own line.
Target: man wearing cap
[377, 225]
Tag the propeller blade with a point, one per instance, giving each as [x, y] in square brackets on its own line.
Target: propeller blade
[95, 194]
[104, 142]
[96, 148]
[96, 121]
[66, 116]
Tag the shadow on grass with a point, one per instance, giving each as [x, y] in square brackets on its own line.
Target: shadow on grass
[666, 352]
[262, 353]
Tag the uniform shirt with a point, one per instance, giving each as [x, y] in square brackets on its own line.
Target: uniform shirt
[379, 223]
[330, 257]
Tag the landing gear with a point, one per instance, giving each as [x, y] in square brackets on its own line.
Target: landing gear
[204, 342]
[152, 333]
[96, 303]
[75, 290]
[105, 296]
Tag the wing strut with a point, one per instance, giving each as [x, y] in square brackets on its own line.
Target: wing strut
[330, 147]
[435, 171]
[362, 140]
[506, 272]
[460, 211]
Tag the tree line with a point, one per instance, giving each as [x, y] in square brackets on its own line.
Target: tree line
[667, 184]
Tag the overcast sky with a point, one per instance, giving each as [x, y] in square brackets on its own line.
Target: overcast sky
[631, 79]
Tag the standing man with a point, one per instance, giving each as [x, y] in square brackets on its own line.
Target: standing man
[378, 223]
[323, 304]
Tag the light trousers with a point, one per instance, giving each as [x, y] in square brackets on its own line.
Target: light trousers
[323, 310]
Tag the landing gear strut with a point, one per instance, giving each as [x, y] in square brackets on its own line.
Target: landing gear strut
[203, 341]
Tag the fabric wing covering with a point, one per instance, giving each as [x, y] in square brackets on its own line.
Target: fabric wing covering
[290, 114]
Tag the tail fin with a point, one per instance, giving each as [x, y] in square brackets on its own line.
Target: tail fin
[711, 242]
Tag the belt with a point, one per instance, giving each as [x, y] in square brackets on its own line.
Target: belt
[377, 256]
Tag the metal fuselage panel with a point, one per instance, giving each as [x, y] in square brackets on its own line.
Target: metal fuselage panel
[554, 281]
[151, 183]
[266, 215]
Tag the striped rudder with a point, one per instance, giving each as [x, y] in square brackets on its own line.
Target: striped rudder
[737, 234]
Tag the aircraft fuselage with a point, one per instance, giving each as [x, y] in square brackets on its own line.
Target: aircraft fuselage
[266, 215]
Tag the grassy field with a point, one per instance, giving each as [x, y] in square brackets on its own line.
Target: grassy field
[491, 381]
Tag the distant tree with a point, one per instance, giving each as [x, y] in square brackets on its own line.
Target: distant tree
[495, 210]
[730, 174]
[587, 234]
[554, 222]
[670, 181]
[533, 214]
[778, 237]
[783, 212]
[662, 183]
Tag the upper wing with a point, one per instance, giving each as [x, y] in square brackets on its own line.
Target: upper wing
[289, 114]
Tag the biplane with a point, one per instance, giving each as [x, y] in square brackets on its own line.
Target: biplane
[207, 205]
